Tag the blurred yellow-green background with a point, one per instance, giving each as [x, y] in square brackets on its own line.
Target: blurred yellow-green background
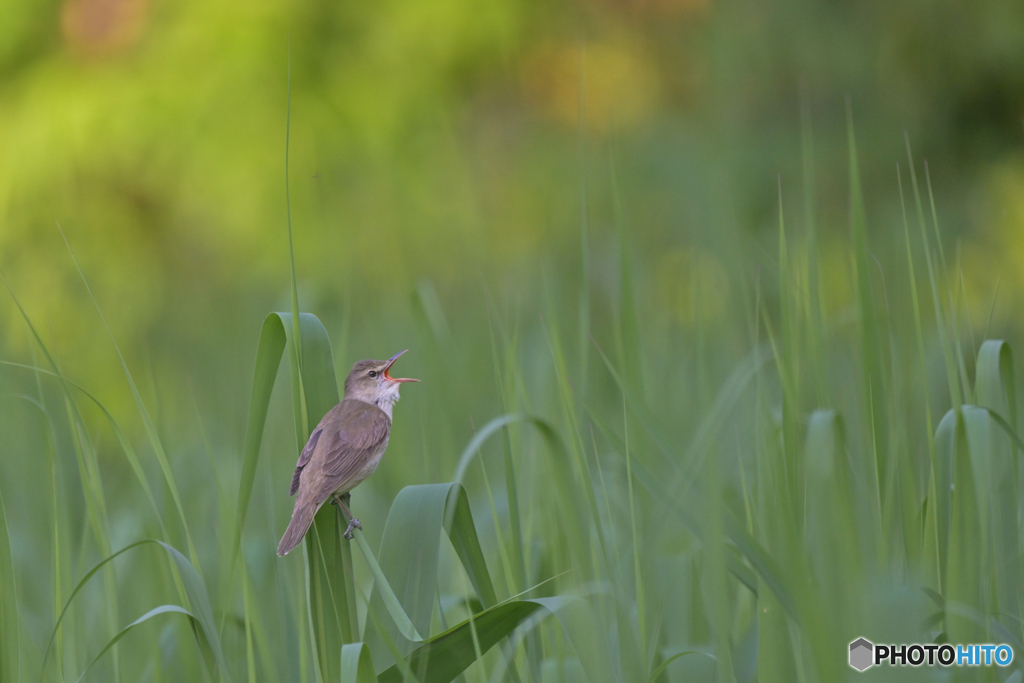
[476, 181]
[455, 143]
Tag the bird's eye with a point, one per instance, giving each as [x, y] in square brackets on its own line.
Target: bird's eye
[373, 373]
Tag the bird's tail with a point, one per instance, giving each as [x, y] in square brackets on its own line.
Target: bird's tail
[302, 517]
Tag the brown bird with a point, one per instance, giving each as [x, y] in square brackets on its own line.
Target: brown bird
[345, 448]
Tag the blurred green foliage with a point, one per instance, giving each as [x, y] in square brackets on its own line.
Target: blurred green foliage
[443, 141]
[491, 184]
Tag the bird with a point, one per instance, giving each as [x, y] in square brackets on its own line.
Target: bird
[345, 448]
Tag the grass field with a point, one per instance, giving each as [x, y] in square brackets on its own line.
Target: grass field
[738, 459]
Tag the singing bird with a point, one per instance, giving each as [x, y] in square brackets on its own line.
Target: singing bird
[345, 448]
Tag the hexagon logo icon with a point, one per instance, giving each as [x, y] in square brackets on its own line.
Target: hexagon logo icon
[861, 651]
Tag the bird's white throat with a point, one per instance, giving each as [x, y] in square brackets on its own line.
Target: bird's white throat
[388, 397]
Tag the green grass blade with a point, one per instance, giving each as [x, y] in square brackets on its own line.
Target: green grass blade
[199, 601]
[331, 593]
[638, 576]
[320, 384]
[407, 565]
[956, 392]
[664, 665]
[296, 356]
[946, 442]
[248, 615]
[357, 664]
[268, 360]
[319, 380]
[446, 655]
[687, 509]
[88, 467]
[408, 557]
[708, 429]
[578, 453]
[831, 529]
[462, 532]
[328, 563]
[874, 378]
[406, 571]
[947, 439]
[119, 434]
[994, 384]
[330, 583]
[147, 422]
[10, 630]
[329, 578]
[156, 611]
[195, 591]
[71, 597]
[628, 330]
[582, 629]
[968, 564]
[485, 432]
[472, 449]
[995, 390]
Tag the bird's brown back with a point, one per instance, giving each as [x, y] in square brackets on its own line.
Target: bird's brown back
[337, 457]
[348, 436]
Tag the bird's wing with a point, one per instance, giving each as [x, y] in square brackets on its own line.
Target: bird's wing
[340, 453]
[306, 454]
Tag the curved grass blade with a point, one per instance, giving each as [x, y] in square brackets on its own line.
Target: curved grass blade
[462, 533]
[945, 444]
[708, 429]
[473, 447]
[994, 385]
[330, 592]
[409, 555]
[443, 657]
[357, 664]
[195, 591]
[319, 381]
[471, 450]
[967, 564]
[330, 584]
[406, 568]
[934, 276]
[88, 465]
[122, 438]
[687, 510]
[163, 609]
[147, 422]
[664, 665]
[995, 390]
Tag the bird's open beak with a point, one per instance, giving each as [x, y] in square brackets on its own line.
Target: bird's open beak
[391, 361]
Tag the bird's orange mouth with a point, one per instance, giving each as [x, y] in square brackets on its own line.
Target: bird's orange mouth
[391, 361]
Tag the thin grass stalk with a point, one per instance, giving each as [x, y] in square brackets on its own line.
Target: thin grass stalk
[147, 422]
[873, 379]
[930, 541]
[956, 394]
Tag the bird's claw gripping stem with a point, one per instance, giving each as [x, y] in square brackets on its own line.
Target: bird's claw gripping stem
[353, 524]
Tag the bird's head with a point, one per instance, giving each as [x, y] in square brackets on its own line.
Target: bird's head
[370, 381]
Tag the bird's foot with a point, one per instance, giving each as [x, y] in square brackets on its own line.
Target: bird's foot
[353, 524]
